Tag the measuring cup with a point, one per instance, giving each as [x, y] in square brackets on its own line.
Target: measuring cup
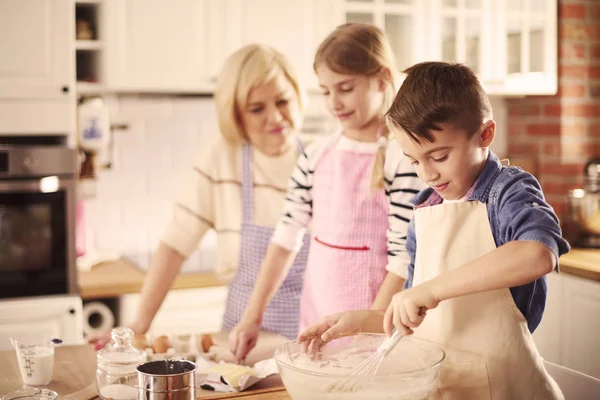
[32, 394]
[35, 355]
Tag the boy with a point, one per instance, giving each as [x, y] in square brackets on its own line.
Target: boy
[481, 240]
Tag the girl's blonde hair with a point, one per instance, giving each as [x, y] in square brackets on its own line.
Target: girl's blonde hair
[247, 68]
[362, 49]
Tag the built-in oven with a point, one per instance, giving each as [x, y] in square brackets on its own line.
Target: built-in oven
[37, 221]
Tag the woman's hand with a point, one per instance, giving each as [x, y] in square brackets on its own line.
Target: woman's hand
[99, 340]
[408, 309]
[243, 338]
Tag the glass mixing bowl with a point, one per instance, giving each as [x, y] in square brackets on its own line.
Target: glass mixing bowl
[410, 371]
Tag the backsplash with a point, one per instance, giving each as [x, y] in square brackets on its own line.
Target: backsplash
[134, 198]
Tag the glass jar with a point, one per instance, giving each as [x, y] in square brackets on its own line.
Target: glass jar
[116, 376]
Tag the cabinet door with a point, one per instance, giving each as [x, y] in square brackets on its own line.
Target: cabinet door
[156, 45]
[59, 317]
[527, 44]
[35, 49]
[461, 32]
[581, 324]
[401, 20]
[290, 26]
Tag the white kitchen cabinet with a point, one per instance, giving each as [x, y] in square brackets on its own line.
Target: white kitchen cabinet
[294, 27]
[568, 334]
[183, 311]
[156, 46]
[403, 21]
[37, 74]
[56, 317]
[527, 43]
[511, 45]
[35, 49]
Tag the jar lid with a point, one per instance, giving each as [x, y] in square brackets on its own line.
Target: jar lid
[120, 354]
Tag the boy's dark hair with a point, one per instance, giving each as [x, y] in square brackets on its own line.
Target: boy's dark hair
[439, 92]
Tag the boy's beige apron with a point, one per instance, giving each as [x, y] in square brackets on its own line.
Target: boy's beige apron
[489, 351]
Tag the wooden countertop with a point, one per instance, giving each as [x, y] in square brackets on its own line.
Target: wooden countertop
[75, 373]
[113, 279]
[582, 262]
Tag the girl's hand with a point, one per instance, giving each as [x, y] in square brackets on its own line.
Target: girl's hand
[243, 338]
[338, 325]
[408, 309]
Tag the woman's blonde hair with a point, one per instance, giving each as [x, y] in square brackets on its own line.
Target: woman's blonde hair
[362, 49]
[247, 68]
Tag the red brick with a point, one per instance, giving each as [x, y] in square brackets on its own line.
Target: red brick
[580, 149]
[595, 89]
[594, 72]
[574, 30]
[560, 169]
[573, 129]
[516, 129]
[594, 11]
[519, 148]
[523, 109]
[595, 51]
[571, 51]
[573, 71]
[551, 149]
[580, 110]
[552, 110]
[571, 11]
[558, 187]
[571, 90]
[594, 130]
[543, 129]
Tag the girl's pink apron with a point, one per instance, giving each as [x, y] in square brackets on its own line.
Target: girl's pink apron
[348, 254]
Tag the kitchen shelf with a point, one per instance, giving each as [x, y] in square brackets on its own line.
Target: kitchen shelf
[88, 1]
[89, 88]
[88, 45]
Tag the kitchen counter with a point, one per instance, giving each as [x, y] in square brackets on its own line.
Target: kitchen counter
[75, 373]
[582, 262]
[116, 278]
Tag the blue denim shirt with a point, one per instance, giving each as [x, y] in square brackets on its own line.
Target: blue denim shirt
[517, 210]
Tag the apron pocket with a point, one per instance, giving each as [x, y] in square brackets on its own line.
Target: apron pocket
[465, 381]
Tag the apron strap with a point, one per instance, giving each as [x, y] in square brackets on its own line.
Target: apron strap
[247, 183]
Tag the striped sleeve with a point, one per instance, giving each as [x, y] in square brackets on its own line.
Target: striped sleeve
[401, 185]
[297, 212]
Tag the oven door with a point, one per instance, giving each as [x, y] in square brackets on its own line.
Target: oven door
[37, 255]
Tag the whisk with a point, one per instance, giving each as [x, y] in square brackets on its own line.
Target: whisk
[370, 366]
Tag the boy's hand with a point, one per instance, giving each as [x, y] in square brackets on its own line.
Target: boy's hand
[408, 309]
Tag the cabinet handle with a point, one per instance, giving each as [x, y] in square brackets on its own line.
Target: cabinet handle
[65, 89]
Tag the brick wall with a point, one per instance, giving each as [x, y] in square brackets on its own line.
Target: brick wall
[562, 132]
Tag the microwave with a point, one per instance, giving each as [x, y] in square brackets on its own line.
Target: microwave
[37, 221]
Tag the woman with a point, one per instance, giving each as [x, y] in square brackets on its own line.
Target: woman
[237, 187]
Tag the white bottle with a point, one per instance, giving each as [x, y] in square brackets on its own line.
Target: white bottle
[94, 125]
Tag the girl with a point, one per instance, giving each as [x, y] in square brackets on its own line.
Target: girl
[345, 189]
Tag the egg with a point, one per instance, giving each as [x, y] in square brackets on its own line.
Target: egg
[161, 344]
[140, 342]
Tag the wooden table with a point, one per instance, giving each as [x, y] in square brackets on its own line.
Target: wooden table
[116, 278]
[75, 373]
